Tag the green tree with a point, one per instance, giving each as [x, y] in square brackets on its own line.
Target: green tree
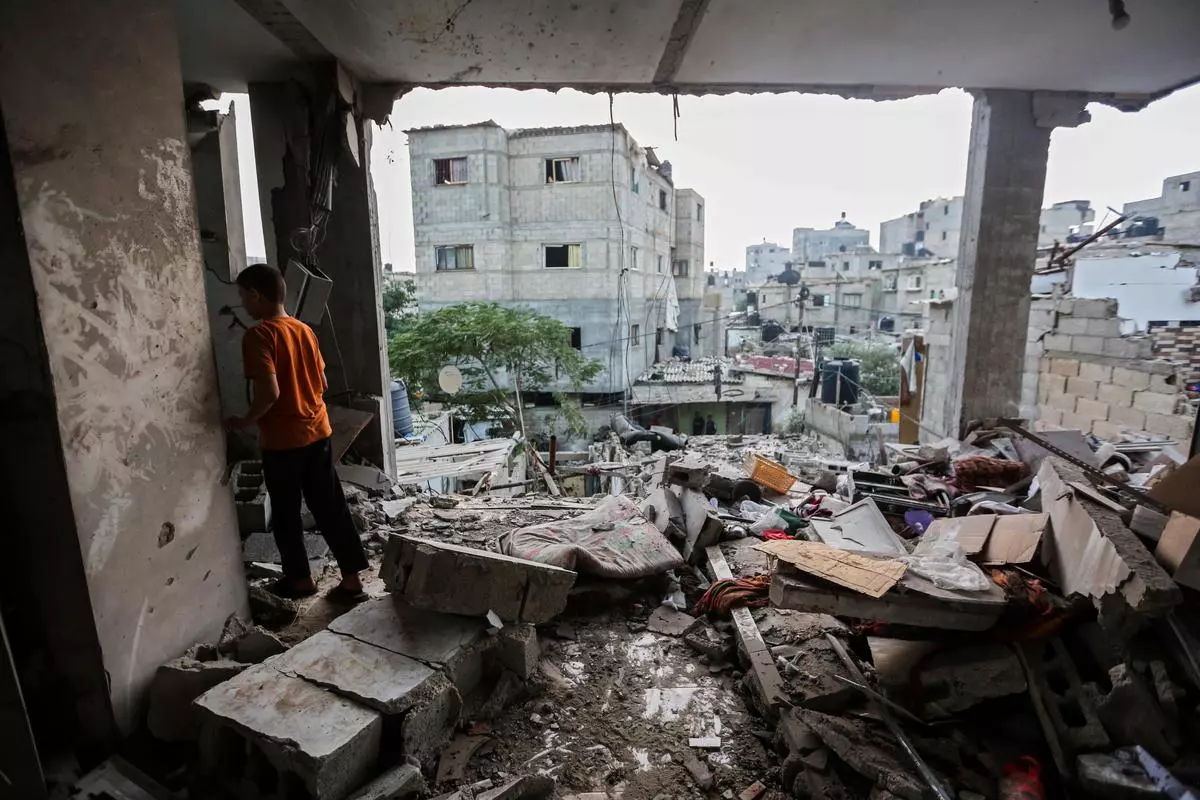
[504, 354]
[399, 301]
[879, 369]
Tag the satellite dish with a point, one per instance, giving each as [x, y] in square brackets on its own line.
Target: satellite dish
[450, 379]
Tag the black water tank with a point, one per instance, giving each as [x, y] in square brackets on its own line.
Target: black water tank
[843, 373]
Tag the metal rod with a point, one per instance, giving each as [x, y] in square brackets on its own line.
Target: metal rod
[881, 709]
[874, 695]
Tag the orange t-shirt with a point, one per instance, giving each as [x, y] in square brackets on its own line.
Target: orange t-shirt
[288, 348]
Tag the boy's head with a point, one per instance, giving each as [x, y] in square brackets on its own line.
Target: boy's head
[262, 289]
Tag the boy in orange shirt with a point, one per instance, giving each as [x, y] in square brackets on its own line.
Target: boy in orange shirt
[283, 361]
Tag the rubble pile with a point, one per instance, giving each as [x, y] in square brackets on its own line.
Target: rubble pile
[735, 617]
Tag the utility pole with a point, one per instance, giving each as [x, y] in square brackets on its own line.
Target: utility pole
[837, 301]
[796, 377]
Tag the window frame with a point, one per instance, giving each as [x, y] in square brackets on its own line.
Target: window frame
[852, 300]
[568, 245]
[549, 169]
[915, 283]
[699, 212]
[633, 257]
[662, 262]
[449, 161]
[454, 249]
[635, 335]
[662, 200]
[677, 272]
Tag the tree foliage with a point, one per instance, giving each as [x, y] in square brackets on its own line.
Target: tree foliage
[879, 369]
[503, 353]
[399, 301]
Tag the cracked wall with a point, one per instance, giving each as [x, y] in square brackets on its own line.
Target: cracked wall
[105, 191]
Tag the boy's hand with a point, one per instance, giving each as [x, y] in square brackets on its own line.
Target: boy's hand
[236, 423]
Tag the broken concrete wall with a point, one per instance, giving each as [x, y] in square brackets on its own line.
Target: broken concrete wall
[96, 131]
[855, 434]
[1084, 374]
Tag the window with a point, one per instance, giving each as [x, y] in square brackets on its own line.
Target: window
[449, 171]
[874, 265]
[700, 211]
[563, 256]
[1185, 186]
[662, 199]
[915, 282]
[679, 268]
[853, 300]
[454, 256]
[635, 332]
[563, 170]
[818, 300]
[658, 337]
[945, 211]
[577, 338]
[943, 236]
[920, 236]
[889, 283]
[696, 334]
[661, 263]
[845, 266]
[633, 261]
[633, 181]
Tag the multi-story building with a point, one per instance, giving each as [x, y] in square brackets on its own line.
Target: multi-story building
[854, 262]
[907, 286]
[1177, 209]
[731, 284]
[809, 244]
[765, 261]
[581, 224]
[933, 229]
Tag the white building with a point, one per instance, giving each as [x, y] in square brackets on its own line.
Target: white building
[766, 260]
[855, 262]
[1177, 209]
[809, 244]
[581, 224]
[933, 230]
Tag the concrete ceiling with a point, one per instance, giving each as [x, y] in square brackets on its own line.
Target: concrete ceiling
[875, 48]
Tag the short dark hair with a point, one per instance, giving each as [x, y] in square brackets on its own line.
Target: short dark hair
[264, 279]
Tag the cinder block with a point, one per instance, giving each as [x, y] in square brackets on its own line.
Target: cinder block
[1173, 426]
[1094, 309]
[1131, 379]
[1155, 403]
[1128, 348]
[1166, 384]
[250, 498]
[1059, 342]
[1050, 415]
[1130, 419]
[1115, 395]
[264, 733]
[1077, 422]
[1091, 409]
[1107, 430]
[463, 580]
[1082, 388]
[1100, 373]
[1072, 326]
[1051, 385]
[1063, 402]
[1064, 366]
[1091, 345]
[1108, 327]
[519, 651]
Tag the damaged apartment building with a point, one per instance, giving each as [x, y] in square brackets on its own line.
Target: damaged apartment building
[580, 224]
[122, 534]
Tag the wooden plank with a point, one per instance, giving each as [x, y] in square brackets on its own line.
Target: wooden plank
[1093, 494]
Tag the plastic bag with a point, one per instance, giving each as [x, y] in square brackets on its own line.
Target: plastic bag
[943, 562]
[772, 520]
[752, 510]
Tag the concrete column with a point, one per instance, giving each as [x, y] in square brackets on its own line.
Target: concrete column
[297, 125]
[1006, 175]
[93, 103]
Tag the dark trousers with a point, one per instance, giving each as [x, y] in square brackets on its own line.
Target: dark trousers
[308, 472]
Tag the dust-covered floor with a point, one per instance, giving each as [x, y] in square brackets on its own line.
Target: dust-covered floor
[613, 709]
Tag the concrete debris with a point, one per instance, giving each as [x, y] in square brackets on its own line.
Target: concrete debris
[398, 783]
[670, 622]
[699, 771]
[869, 752]
[1114, 777]
[519, 651]
[1131, 714]
[176, 684]
[952, 681]
[461, 580]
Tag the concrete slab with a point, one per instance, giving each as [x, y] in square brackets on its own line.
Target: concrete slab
[463, 580]
[270, 729]
[380, 679]
[170, 716]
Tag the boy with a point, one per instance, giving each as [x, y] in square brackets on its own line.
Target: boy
[283, 362]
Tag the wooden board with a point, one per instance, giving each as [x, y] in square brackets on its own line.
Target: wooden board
[871, 576]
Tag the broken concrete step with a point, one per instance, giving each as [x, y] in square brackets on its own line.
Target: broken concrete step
[462, 580]
[177, 683]
[286, 736]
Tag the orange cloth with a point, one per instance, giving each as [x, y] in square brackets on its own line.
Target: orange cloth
[288, 349]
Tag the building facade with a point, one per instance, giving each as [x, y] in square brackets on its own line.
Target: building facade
[580, 224]
[765, 261]
[809, 244]
[934, 229]
[1177, 209]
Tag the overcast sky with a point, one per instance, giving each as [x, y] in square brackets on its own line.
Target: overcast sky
[770, 163]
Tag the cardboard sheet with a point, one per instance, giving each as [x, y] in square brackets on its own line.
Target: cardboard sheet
[1177, 549]
[1015, 539]
[871, 576]
[971, 532]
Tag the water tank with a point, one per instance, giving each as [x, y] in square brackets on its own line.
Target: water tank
[839, 382]
[401, 414]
